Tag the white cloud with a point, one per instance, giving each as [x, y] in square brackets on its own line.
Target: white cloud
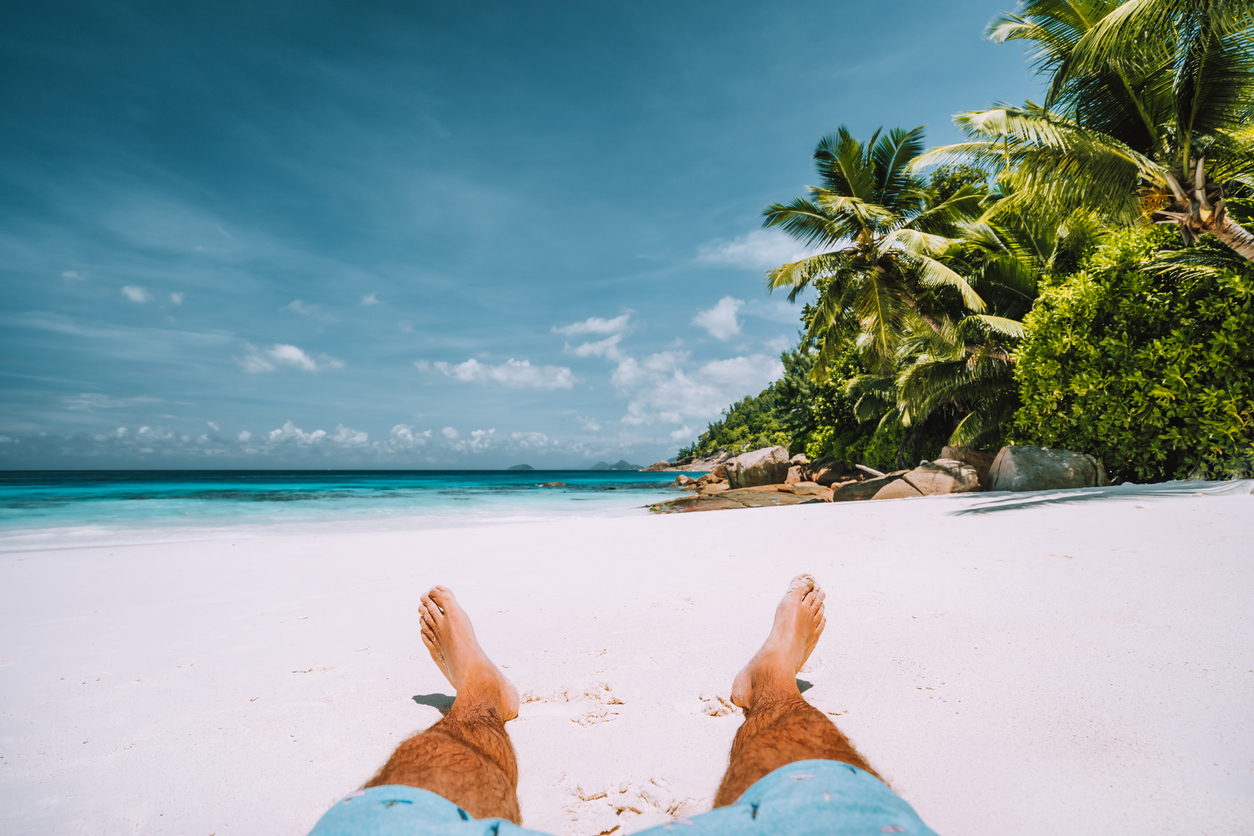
[290, 355]
[136, 294]
[478, 441]
[632, 373]
[74, 275]
[213, 425]
[607, 348]
[515, 374]
[258, 361]
[682, 434]
[403, 437]
[761, 249]
[349, 436]
[588, 424]
[532, 440]
[290, 433]
[370, 299]
[595, 325]
[405, 326]
[244, 435]
[661, 391]
[720, 321]
[176, 298]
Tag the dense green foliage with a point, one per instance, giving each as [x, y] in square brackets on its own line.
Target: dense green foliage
[749, 424]
[1145, 364]
[1021, 293]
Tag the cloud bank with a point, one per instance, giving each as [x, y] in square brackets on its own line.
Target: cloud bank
[513, 374]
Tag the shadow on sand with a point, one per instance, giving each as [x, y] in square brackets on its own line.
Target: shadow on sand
[1006, 501]
[440, 702]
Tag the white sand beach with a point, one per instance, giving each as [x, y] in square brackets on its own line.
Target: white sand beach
[1075, 663]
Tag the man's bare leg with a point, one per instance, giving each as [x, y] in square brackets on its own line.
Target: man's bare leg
[780, 726]
[467, 757]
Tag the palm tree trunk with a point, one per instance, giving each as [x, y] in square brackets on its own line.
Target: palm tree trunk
[1235, 236]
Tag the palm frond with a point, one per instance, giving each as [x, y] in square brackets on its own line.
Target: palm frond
[891, 157]
[933, 273]
[1000, 325]
[799, 275]
[880, 310]
[805, 221]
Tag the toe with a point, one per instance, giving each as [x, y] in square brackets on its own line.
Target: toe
[803, 582]
[442, 596]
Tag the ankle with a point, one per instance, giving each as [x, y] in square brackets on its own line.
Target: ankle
[772, 686]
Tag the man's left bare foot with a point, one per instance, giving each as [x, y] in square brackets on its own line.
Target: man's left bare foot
[799, 621]
[450, 638]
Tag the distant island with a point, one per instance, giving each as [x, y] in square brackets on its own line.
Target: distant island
[621, 464]
[521, 467]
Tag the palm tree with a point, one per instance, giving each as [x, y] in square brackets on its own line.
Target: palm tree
[882, 233]
[972, 373]
[1147, 112]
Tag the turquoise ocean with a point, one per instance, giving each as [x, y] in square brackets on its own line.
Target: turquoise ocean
[104, 506]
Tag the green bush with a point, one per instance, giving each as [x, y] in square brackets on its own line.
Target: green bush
[748, 424]
[1151, 371]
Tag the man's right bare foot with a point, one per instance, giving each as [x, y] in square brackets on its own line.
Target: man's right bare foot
[450, 638]
[799, 621]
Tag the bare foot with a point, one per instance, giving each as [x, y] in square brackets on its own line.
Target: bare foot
[799, 621]
[450, 638]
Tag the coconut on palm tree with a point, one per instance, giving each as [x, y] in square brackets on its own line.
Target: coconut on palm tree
[1147, 112]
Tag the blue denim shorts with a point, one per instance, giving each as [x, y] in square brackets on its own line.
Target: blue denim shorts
[800, 799]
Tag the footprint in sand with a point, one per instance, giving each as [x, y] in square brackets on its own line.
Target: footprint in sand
[628, 807]
[716, 705]
[585, 706]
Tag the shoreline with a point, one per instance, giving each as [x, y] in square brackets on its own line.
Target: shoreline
[1011, 663]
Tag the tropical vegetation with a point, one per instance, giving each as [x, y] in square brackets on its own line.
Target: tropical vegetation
[1075, 273]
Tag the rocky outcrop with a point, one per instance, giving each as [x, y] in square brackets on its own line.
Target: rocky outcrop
[1029, 468]
[981, 460]
[694, 503]
[718, 496]
[943, 476]
[768, 466]
[866, 489]
[826, 471]
[768, 477]
[765, 496]
[811, 489]
[689, 464]
[897, 489]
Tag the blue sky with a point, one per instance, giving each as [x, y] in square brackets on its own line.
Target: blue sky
[418, 235]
